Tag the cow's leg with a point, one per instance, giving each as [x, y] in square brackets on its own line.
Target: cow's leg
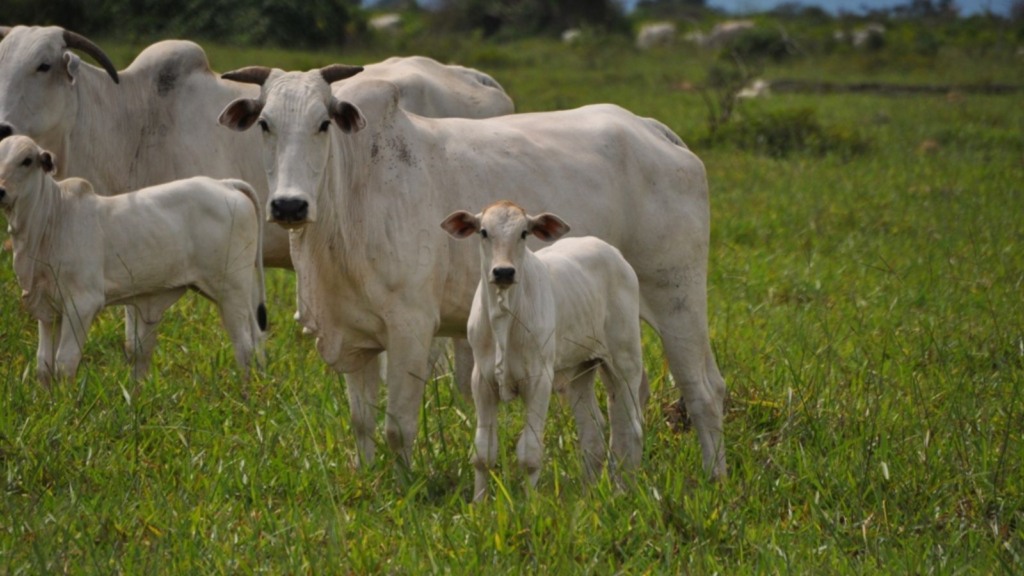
[623, 377]
[147, 312]
[45, 351]
[131, 334]
[681, 320]
[463, 367]
[362, 387]
[589, 421]
[408, 369]
[536, 396]
[485, 398]
[237, 315]
[75, 322]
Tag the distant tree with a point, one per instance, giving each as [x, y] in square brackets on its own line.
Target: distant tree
[928, 10]
[83, 16]
[528, 17]
[290, 23]
[670, 9]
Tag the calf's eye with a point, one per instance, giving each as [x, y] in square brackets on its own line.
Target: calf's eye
[483, 233]
[523, 236]
[264, 126]
[26, 162]
[325, 125]
[44, 67]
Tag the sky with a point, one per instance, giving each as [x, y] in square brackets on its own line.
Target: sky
[967, 7]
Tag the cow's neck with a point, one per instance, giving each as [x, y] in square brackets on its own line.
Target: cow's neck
[98, 147]
[32, 226]
[501, 313]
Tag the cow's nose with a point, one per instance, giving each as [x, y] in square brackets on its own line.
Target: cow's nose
[5, 131]
[504, 276]
[289, 209]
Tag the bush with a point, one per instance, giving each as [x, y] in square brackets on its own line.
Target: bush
[759, 43]
[783, 133]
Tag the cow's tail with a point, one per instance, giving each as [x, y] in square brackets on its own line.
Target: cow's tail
[260, 296]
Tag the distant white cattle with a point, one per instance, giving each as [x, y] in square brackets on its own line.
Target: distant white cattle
[363, 199]
[547, 321]
[656, 34]
[389, 22]
[76, 252]
[723, 32]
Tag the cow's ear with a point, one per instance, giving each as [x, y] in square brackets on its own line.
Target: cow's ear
[548, 227]
[47, 162]
[71, 63]
[347, 116]
[461, 224]
[241, 114]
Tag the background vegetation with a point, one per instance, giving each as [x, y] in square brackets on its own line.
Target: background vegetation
[865, 305]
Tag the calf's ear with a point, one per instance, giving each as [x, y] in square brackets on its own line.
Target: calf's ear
[461, 224]
[347, 116]
[47, 162]
[548, 227]
[241, 114]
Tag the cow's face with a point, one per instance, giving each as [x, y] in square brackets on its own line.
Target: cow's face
[38, 75]
[295, 114]
[23, 165]
[503, 228]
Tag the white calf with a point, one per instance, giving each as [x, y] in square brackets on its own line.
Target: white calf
[547, 319]
[76, 252]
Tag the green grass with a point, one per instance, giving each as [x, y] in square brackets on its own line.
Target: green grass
[866, 313]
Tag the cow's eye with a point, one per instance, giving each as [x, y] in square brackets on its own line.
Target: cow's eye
[523, 236]
[483, 233]
[263, 125]
[325, 125]
[44, 67]
[26, 162]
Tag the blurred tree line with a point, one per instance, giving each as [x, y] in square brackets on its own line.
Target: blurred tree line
[308, 23]
[287, 23]
[323, 23]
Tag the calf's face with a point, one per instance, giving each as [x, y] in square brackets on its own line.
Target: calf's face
[23, 165]
[504, 228]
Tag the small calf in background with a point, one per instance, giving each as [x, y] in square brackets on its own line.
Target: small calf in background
[76, 252]
[546, 320]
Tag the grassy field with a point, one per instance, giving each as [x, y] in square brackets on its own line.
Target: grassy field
[865, 311]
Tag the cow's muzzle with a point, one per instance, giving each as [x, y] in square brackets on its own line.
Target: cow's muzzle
[289, 211]
[504, 276]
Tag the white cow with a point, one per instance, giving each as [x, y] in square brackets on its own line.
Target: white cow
[378, 275]
[656, 34]
[546, 321]
[76, 252]
[155, 121]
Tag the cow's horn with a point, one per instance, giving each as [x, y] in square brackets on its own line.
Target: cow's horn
[336, 72]
[249, 75]
[82, 43]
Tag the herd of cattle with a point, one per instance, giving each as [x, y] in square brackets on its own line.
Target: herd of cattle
[124, 187]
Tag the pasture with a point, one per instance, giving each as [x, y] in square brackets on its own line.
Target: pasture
[865, 309]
